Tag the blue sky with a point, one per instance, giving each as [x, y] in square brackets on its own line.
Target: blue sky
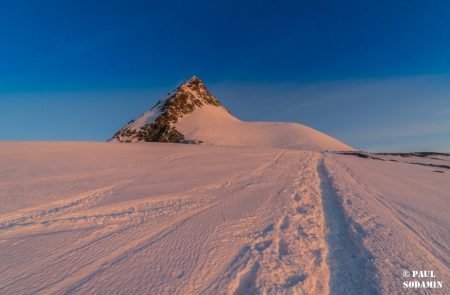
[374, 74]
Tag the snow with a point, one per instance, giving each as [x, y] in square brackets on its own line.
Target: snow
[102, 218]
[146, 118]
[212, 124]
[216, 126]
[136, 125]
[399, 212]
[432, 159]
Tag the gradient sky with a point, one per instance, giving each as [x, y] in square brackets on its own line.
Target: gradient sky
[375, 74]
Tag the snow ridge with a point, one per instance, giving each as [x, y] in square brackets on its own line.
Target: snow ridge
[191, 114]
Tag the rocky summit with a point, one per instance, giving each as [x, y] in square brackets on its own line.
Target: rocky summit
[158, 124]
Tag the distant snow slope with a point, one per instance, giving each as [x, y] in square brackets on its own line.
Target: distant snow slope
[191, 114]
[98, 218]
[216, 126]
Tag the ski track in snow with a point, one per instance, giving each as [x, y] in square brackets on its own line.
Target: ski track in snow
[349, 261]
[266, 221]
[400, 220]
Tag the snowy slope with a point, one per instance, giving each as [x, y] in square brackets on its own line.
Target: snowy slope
[397, 214]
[98, 218]
[159, 219]
[216, 126]
[191, 114]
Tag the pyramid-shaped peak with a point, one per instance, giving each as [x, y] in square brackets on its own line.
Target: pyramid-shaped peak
[191, 114]
[194, 83]
[158, 123]
[195, 88]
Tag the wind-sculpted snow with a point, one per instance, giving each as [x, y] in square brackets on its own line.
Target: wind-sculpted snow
[98, 218]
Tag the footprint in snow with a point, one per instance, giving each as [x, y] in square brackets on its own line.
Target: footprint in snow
[297, 197]
[261, 246]
[285, 223]
[267, 230]
[283, 248]
[294, 280]
[301, 210]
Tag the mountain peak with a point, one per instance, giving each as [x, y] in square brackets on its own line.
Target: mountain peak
[192, 82]
[191, 114]
[194, 78]
[196, 87]
[193, 92]
[158, 123]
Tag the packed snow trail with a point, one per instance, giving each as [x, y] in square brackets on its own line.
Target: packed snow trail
[252, 222]
[397, 216]
[289, 254]
[349, 262]
[99, 218]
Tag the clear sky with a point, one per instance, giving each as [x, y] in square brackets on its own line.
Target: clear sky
[375, 74]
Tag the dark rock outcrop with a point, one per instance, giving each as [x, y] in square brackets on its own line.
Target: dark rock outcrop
[184, 100]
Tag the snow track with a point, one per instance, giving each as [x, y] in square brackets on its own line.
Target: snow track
[287, 256]
[178, 219]
[349, 262]
[397, 214]
[259, 227]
